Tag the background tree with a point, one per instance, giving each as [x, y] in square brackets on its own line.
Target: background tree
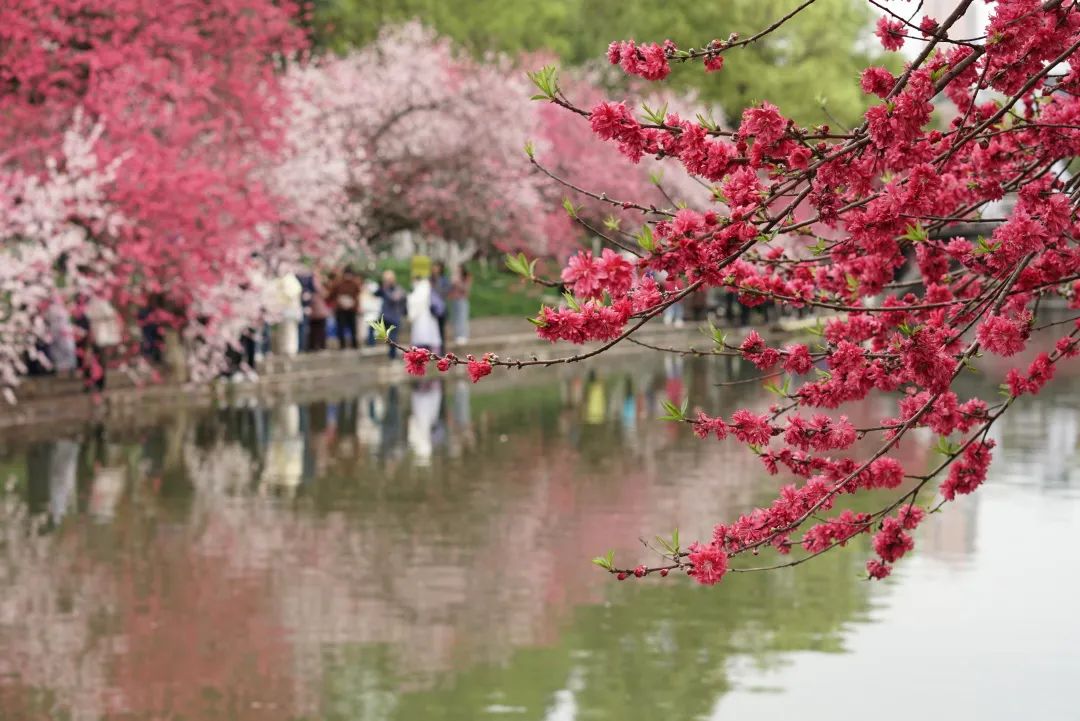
[183, 97]
[822, 51]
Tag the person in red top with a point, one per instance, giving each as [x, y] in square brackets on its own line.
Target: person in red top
[343, 295]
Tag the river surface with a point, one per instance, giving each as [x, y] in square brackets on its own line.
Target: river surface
[422, 552]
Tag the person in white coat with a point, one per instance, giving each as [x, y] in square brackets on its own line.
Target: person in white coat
[285, 299]
[423, 326]
[61, 337]
[425, 404]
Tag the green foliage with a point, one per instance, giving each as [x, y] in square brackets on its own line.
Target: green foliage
[674, 412]
[606, 561]
[382, 331]
[645, 239]
[816, 55]
[521, 265]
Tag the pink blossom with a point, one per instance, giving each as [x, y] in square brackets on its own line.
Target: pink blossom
[647, 60]
[878, 570]
[798, 359]
[910, 516]
[765, 123]
[478, 368]
[836, 530]
[714, 63]
[584, 275]
[755, 351]
[891, 542]
[1003, 336]
[416, 361]
[799, 157]
[877, 81]
[750, 428]
[969, 471]
[1068, 347]
[891, 33]
[1039, 373]
[615, 271]
[705, 426]
[710, 563]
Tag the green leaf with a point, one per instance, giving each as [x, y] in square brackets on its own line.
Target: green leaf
[612, 223]
[656, 116]
[520, 265]
[982, 247]
[916, 233]
[382, 331]
[718, 336]
[607, 561]
[706, 121]
[946, 447]
[530, 149]
[908, 330]
[645, 239]
[546, 81]
[666, 544]
[569, 208]
[781, 389]
[674, 412]
[571, 301]
[852, 283]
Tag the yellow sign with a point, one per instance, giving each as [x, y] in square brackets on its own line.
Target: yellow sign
[420, 266]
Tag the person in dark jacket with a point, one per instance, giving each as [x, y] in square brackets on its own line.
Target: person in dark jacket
[393, 305]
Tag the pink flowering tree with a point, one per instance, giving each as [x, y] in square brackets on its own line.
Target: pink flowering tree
[825, 218]
[46, 221]
[408, 134]
[185, 99]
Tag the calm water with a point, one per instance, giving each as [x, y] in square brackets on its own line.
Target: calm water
[421, 552]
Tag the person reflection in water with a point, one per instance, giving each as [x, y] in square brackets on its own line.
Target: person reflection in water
[595, 400]
[391, 440]
[423, 417]
[629, 409]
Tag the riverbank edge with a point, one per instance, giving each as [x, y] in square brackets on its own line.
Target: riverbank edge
[283, 377]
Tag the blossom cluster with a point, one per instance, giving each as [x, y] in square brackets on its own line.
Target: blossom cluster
[865, 224]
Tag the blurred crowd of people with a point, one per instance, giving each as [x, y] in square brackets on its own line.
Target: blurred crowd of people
[314, 311]
[300, 312]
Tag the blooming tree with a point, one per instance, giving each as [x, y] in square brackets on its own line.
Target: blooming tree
[407, 134]
[45, 224]
[184, 97]
[856, 200]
